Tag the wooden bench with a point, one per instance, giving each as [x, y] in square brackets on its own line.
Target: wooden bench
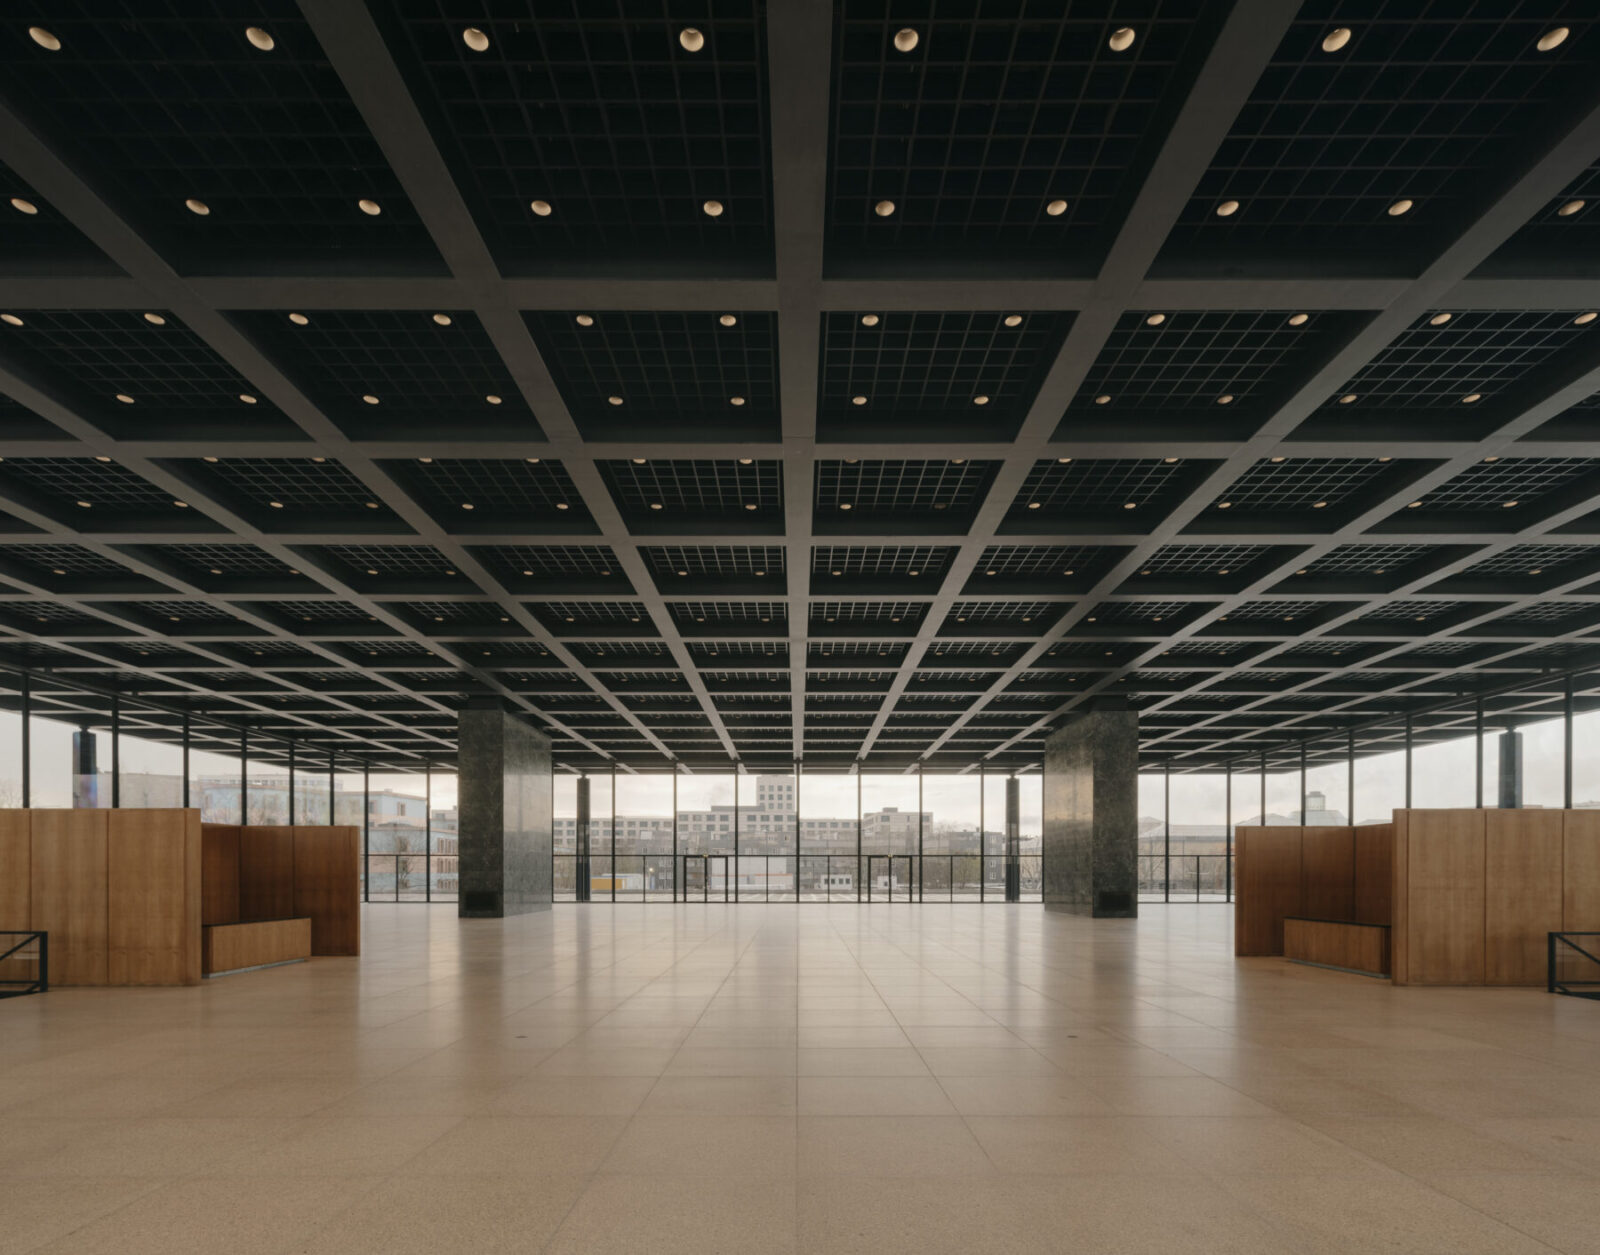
[259, 943]
[1338, 943]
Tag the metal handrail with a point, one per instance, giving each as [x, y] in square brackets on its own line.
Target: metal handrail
[1559, 945]
[40, 983]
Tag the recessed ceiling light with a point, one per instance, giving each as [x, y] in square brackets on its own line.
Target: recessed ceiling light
[727, 320]
[655, 505]
[1566, 211]
[260, 38]
[124, 398]
[1224, 505]
[100, 457]
[883, 208]
[1492, 458]
[1130, 505]
[691, 39]
[1506, 505]
[1169, 459]
[475, 39]
[1336, 39]
[369, 207]
[83, 505]
[299, 320]
[1413, 505]
[1538, 570]
[1583, 320]
[1298, 320]
[182, 505]
[1103, 399]
[1552, 38]
[276, 505]
[443, 320]
[1225, 399]
[467, 505]
[370, 399]
[1224, 571]
[1347, 398]
[1319, 505]
[749, 505]
[1155, 320]
[1279, 458]
[869, 320]
[746, 461]
[1227, 209]
[208, 458]
[1033, 505]
[561, 505]
[905, 39]
[1056, 208]
[424, 460]
[11, 319]
[1013, 320]
[844, 505]
[1121, 39]
[541, 208]
[23, 206]
[858, 400]
[155, 320]
[980, 400]
[1471, 398]
[1399, 207]
[247, 398]
[613, 400]
[44, 38]
[197, 206]
[713, 208]
[1439, 320]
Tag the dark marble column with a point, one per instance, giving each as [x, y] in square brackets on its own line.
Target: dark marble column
[504, 782]
[1510, 776]
[1091, 812]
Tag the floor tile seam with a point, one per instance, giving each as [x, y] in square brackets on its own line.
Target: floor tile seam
[154, 1184]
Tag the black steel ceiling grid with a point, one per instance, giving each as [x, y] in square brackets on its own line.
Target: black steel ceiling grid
[462, 484]
[168, 101]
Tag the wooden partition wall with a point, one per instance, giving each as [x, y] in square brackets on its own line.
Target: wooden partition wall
[1328, 873]
[1477, 891]
[255, 873]
[117, 890]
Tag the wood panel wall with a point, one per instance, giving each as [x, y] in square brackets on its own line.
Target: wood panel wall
[219, 873]
[1327, 872]
[327, 886]
[230, 947]
[1580, 872]
[153, 899]
[1522, 893]
[16, 871]
[1358, 947]
[69, 897]
[1268, 887]
[1374, 886]
[266, 872]
[1445, 898]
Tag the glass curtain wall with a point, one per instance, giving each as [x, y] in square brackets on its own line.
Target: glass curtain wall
[708, 833]
[215, 773]
[1030, 808]
[267, 782]
[644, 837]
[11, 764]
[149, 758]
[892, 834]
[952, 841]
[313, 797]
[444, 879]
[1152, 836]
[564, 837]
[1197, 837]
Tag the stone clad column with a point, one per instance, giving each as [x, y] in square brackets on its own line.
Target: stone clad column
[505, 796]
[1091, 812]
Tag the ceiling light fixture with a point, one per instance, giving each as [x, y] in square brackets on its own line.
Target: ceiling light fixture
[1225, 399]
[1399, 207]
[1472, 398]
[1566, 211]
[1552, 39]
[197, 206]
[1583, 320]
[746, 461]
[1439, 320]
[155, 320]
[44, 39]
[1033, 505]
[858, 400]
[1319, 505]
[541, 208]
[1298, 320]
[869, 320]
[613, 400]
[260, 39]
[1224, 505]
[735, 400]
[980, 400]
[1121, 39]
[1103, 399]
[883, 208]
[442, 319]
[1155, 320]
[713, 208]
[691, 39]
[23, 206]
[492, 399]
[905, 39]
[11, 319]
[1013, 320]
[1506, 505]
[1227, 209]
[1347, 398]
[124, 398]
[182, 505]
[370, 399]
[369, 207]
[247, 398]
[299, 320]
[749, 505]
[1056, 208]
[475, 39]
[727, 320]
[1336, 39]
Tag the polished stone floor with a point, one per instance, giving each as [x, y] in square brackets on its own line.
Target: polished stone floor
[815, 1078]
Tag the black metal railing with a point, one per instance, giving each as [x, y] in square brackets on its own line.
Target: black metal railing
[725, 877]
[1573, 964]
[1184, 878]
[24, 963]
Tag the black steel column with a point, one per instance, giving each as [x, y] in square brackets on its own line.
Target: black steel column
[186, 758]
[1477, 738]
[1510, 769]
[1013, 840]
[116, 753]
[27, 736]
[580, 846]
[292, 789]
[1566, 746]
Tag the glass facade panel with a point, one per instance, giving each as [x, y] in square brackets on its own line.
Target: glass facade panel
[313, 802]
[564, 836]
[706, 814]
[69, 748]
[1380, 785]
[1031, 813]
[1283, 795]
[215, 773]
[267, 781]
[1544, 749]
[149, 758]
[891, 817]
[11, 766]
[1445, 773]
[443, 835]
[397, 837]
[766, 819]
[1327, 784]
[1197, 836]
